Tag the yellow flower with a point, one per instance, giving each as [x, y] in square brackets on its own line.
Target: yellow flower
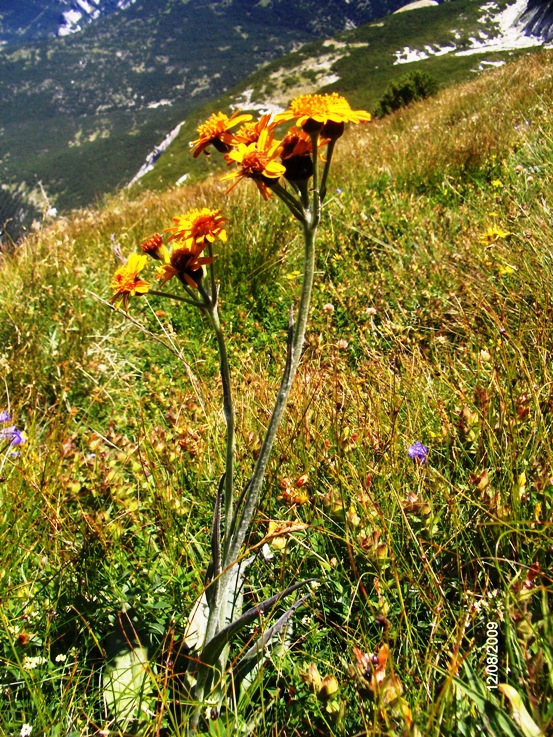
[186, 264]
[155, 247]
[198, 226]
[493, 234]
[126, 282]
[295, 154]
[257, 161]
[216, 131]
[250, 132]
[315, 112]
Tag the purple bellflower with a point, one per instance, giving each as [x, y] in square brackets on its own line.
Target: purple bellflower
[418, 452]
[15, 436]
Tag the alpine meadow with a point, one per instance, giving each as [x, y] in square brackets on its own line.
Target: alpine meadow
[276, 451]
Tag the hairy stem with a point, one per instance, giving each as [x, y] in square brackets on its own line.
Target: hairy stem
[329, 152]
[254, 490]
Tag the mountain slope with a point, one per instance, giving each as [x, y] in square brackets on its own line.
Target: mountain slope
[431, 320]
[96, 101]
[22, 21]
[451, 42]
[80, 113]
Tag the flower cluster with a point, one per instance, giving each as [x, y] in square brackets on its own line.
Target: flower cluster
[320, 119]
[252, 148]
[12, 434]
[192, 233]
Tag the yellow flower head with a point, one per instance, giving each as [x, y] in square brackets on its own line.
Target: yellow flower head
[126, 282]
[198, 226]
[314, 112]
[295, 153]
[492, 235]
[250, 132]
[296, 143]
[155, 247]
[185, 262]
[216, 131]
[257, 162]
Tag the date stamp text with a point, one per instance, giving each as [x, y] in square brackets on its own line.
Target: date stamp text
[492, 655]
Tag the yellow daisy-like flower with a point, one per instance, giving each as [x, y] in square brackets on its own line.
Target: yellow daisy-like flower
[296, 143]
[185, 262]
[493, 234]
[216, 131]
[295, 153]
[126, 282]
[314, 112]
[250, 132]
[198, 226]
[155, 247]
[257, 162]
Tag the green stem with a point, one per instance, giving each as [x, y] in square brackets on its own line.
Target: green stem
[316, 199]
[228, 406]
[216, 617]
[212, 275]
[240, 527]
[193, 302]
[329, 152]
[289, 200]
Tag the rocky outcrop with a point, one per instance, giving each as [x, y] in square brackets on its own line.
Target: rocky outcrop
[538, 19]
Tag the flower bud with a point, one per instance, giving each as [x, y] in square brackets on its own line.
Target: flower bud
[332, 130]
[329, 688]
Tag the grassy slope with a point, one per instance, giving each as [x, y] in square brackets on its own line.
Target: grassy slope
[109, 501]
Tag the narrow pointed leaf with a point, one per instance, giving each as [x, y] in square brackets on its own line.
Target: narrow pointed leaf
[215, 647]
[498, 723]
[214, 571]
[256, 653]
[194, 636]
[520, 712]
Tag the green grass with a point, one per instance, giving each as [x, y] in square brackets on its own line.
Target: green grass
[436, 335]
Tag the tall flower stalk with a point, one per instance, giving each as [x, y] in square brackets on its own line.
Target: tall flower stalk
[288, 169]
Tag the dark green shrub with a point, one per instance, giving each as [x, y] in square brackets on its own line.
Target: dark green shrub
[409, 88]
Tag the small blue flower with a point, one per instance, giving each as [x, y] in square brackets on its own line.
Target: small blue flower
[418, 452]
[15, 436]
[5, 416]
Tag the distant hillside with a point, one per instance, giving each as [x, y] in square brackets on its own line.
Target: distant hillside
[80, 112]
[451, 42]
[22, 21]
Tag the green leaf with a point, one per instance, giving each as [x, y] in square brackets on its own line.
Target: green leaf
[194, 636]
[124, 685]
[520, 712]
[498, 723]
[215, 647]
[125, 679]
[247, 666]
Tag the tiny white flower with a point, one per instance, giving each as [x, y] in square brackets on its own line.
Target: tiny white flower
[30, 662]
[26, 730]
[266, 552]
